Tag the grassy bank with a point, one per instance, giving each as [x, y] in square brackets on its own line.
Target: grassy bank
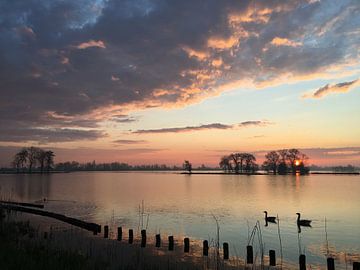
[24, 245]
[20, 250]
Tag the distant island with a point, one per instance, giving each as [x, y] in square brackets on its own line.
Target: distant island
[284, 161]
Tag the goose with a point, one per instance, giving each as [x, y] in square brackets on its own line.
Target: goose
[269, 219]
[302, 222]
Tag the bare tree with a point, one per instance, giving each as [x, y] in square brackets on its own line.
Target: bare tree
[32, 157]
[225, 164]
[242, 162]
[250, 162]
[41, 157]
[282, 167]
[235, 157]
[16, 163]
[272, 161]
[49, 160]
[293, 158]
[20, 159]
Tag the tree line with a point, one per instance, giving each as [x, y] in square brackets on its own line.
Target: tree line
[69, 166]
[239, 163]
[33, 158]
[282, 161]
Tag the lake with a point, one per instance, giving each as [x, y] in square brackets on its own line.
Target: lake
[185, 205]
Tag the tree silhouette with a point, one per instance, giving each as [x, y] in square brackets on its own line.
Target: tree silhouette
[250, 163]
[293, 155]
[32, 157]
[40, 157]
[225, 164]
[187, 166]
[49, 160]
[282, 168]
[235, 157]
[242, 162]
[20, 159]
[16, 162]
[272, 161]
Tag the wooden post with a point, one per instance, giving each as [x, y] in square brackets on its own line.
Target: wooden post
[205, 248]
[186, 245]
[45, 235]
[249, 255]
[143, 238]
[330, 263]
[302, 262]
[226, 251]
[171, 242]
[119, 237]
[106, 231]
[272, 257]
[158, 240]
[131, 236]
[356, 265]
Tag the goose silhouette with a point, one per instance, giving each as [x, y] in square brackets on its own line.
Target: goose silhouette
[302, 222]
[269, 219]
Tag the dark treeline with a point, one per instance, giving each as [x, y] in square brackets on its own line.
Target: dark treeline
[349, 168]
[282, 161]
[33, 159]
[113, 166]
[117, 166]
[239, 163]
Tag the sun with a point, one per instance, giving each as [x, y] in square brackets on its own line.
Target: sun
[297, 162]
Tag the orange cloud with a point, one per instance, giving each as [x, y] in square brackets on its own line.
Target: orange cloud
[277, 41]
[217, 62]
[251, 15]
[91, 43]
[222, 43]
[201, 55]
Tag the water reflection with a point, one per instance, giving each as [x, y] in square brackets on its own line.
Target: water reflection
[184, 204]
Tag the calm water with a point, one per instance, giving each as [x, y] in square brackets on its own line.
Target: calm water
[184, 204]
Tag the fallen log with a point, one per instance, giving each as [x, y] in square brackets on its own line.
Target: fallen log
[93, 227]
[24, 204]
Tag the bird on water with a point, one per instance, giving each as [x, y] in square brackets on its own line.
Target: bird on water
[269, 219]
[302, 222]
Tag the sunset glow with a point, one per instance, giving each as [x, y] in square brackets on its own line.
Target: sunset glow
[149, 83]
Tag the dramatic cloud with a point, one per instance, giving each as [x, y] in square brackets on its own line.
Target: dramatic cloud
[202, 127]
[332, 88]
[49, 135]
[95, 58]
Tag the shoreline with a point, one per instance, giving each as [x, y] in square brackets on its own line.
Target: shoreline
[177, 172]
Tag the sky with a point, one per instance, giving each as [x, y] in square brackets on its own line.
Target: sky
[155, 81]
